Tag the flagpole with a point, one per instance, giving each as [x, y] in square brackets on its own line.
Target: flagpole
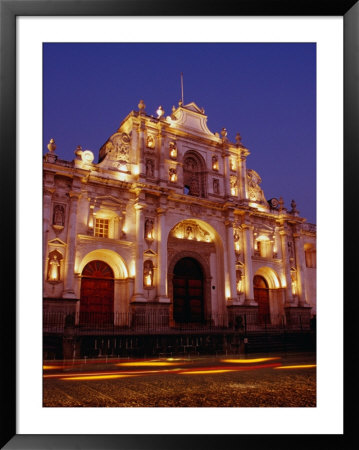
[182, 87]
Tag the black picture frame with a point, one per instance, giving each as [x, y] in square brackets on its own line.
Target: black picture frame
[9, 10]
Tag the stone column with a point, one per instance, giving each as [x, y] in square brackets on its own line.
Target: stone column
[231, 260]
[300, 260]
[141, 149]
[69, 291]
[227, 186]
[91, 220]
[286, 267]
[247, 241]
[243, 178]
[162, 174]
[138, 295]
[48, 192]
[162, 288]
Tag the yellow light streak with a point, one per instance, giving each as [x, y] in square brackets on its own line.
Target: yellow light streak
[248, 361]
[201, 372]
[51, 367]
[96, 377]
[144, 363]
[303, 366]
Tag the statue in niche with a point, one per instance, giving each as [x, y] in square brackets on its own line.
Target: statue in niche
[189, 232]
[239, 280]
[148, 273]
[214, 163]
[290, 250]
[173, 150]
[233, 183]
[150, 143]
[173, 175]
[149, 229]
[216, 186]
[149, 168]
[293, 276]
[59, 215]
[54, 269]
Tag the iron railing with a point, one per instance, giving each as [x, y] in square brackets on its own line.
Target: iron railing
[159, 322]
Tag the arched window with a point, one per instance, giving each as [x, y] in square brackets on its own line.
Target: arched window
[194, 174]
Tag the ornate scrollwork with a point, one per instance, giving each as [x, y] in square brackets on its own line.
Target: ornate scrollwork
[255, 193]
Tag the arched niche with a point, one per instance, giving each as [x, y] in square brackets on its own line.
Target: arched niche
[194, 174]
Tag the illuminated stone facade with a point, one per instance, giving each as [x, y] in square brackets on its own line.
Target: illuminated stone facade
[166, 194]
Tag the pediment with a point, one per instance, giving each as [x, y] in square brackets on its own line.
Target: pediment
[108, 200]
[191, 118]
[57, 242]
[193, 107]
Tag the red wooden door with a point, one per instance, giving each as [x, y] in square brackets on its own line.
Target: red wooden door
[97, 294]
[188, 302]
[261, 296]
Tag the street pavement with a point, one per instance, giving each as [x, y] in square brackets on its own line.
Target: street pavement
[253, 380]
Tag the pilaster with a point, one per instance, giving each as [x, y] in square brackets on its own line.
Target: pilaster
[247, 241]
[69, 290]
[141, 148]
[286, 266]
[163, 176]
[162, 289]
[300, 259]
[231, 261]
[227, 186]
[243, 188]
[138, 295]
[48, 193]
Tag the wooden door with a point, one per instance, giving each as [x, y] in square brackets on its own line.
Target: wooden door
[261, 296]
[188, 301]
[97, 294]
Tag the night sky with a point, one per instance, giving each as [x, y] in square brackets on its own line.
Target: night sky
[266, 92]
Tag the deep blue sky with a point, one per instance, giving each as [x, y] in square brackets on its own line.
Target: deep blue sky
[266, 92]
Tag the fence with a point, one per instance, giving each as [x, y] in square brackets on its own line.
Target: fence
[159, 322]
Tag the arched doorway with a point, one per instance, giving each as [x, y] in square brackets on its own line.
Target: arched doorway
[97, 294]
[188, 298]
[261, 296]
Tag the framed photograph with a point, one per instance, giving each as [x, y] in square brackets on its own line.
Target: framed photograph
[60, 64]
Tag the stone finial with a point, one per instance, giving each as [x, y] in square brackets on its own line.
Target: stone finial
[51, 145]
[78, 152]
[281, 203]
[294, 207]
[160, 112]
[141, 106]
[51, 157]
[238, 139]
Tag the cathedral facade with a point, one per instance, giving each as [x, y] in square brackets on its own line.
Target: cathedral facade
[171, 222]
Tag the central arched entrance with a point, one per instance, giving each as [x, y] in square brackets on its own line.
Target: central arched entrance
[261, 296]
[188, 298]
[97, 294]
